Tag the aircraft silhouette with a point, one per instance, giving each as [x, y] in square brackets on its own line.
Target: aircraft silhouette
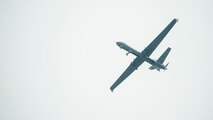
[144, 55]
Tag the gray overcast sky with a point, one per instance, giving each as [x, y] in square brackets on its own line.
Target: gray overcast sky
[59, 58]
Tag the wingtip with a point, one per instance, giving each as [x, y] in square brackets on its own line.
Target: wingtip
[177, 19]
[111, 89]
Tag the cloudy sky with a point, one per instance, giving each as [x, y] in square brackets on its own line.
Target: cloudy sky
[59, 59]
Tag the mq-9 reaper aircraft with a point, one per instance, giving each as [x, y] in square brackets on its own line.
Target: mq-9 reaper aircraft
[144, 55]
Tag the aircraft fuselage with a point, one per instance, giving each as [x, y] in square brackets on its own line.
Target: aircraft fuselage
[141, 55]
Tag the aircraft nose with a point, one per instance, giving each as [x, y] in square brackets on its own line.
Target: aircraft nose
[118, 43]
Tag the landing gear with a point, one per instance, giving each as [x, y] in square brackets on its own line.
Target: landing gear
[128, 52]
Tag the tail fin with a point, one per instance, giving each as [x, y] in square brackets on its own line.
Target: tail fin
[160, 61]
[162, 58]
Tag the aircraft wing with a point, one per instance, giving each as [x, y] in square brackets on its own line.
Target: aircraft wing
[132, 67]
[154, 44]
